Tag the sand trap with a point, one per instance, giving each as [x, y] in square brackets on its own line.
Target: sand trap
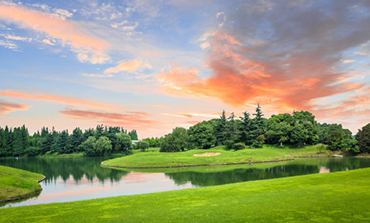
[207, 154]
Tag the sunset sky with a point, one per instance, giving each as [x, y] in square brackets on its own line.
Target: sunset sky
[154, 65]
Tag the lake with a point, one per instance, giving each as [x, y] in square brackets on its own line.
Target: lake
[72, 179]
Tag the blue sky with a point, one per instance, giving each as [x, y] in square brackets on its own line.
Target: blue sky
[154, 65]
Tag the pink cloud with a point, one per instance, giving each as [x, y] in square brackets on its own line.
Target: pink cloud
[35, 95]
[130, 119]
[88, 46]
[7, 107]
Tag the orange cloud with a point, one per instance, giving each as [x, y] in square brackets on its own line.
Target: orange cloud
[6, 107]
[35, 95]
[87, 45]
[290, 80]
[129, 66]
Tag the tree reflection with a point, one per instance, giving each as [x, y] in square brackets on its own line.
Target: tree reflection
[74, 168]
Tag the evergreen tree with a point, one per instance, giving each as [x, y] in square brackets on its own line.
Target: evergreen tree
[61, 144]
[18, 142]
[99, 131]
[258, 122]
[245, 128]
[133, 135]
[47, 143]
[75, 140]
[231, 133]
[219, 129]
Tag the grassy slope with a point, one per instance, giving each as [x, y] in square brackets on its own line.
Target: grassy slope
[331, 197]
[187, 158]
[16, 184]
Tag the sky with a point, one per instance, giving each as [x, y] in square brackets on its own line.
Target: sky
[156, 65]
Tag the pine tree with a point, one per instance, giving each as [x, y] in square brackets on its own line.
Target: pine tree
[258, 122]
[220, 128]
[246, 134]
[231, 133]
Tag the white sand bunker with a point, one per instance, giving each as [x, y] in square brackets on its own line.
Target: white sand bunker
[207, 154]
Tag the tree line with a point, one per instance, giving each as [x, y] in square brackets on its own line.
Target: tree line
[297, 129]
[100, 141]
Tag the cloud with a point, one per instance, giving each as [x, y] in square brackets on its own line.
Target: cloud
[192, 115]
[35, 95]
[18, 38]
[347, 61]
[7, 107]
[281, 59]
[9, 45]
[48, 42]
[98, 75]
[69, 32]
[128, 66]
[131, 119]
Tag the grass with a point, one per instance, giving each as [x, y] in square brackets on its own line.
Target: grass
[331, 197]
[187, 158]
[17, 184]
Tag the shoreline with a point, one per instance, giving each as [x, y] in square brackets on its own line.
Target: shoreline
[196, 165]
[25, 196]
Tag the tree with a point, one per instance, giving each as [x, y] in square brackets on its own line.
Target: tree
[103, 146]
[176, 141]
[201, 135]
[142, 145]
[279, 129]
[299, 134]
[259, 141]
[245, 129]
[123, 142]
[363, 139]
[61, 145]
[18, 147]
[75, 140]
[307, 121]
[88, 146]
[47, 143]
[219, 129]
[231, 132]
[99, 131]
[350, 145]
[258, 122]
[133, 135]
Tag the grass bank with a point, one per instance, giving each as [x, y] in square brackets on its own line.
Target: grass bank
[188, 158]
[17, 184]
[330, 197]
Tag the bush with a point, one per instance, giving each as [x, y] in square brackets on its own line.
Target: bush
[239, 146]
[259, 141]
[142, 145]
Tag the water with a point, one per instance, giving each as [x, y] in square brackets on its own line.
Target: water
[71, 179]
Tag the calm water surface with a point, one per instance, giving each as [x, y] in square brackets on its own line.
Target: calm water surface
[71, 179]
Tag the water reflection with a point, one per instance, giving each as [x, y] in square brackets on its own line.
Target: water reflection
[64, 168]
[72, 179]
[241, 175]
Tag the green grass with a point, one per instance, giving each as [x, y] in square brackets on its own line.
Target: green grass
[332, 197]
[267, 153]
[16, 184]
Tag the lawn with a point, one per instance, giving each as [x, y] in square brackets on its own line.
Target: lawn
[16, 184]
[331, 197]
[187, 158]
